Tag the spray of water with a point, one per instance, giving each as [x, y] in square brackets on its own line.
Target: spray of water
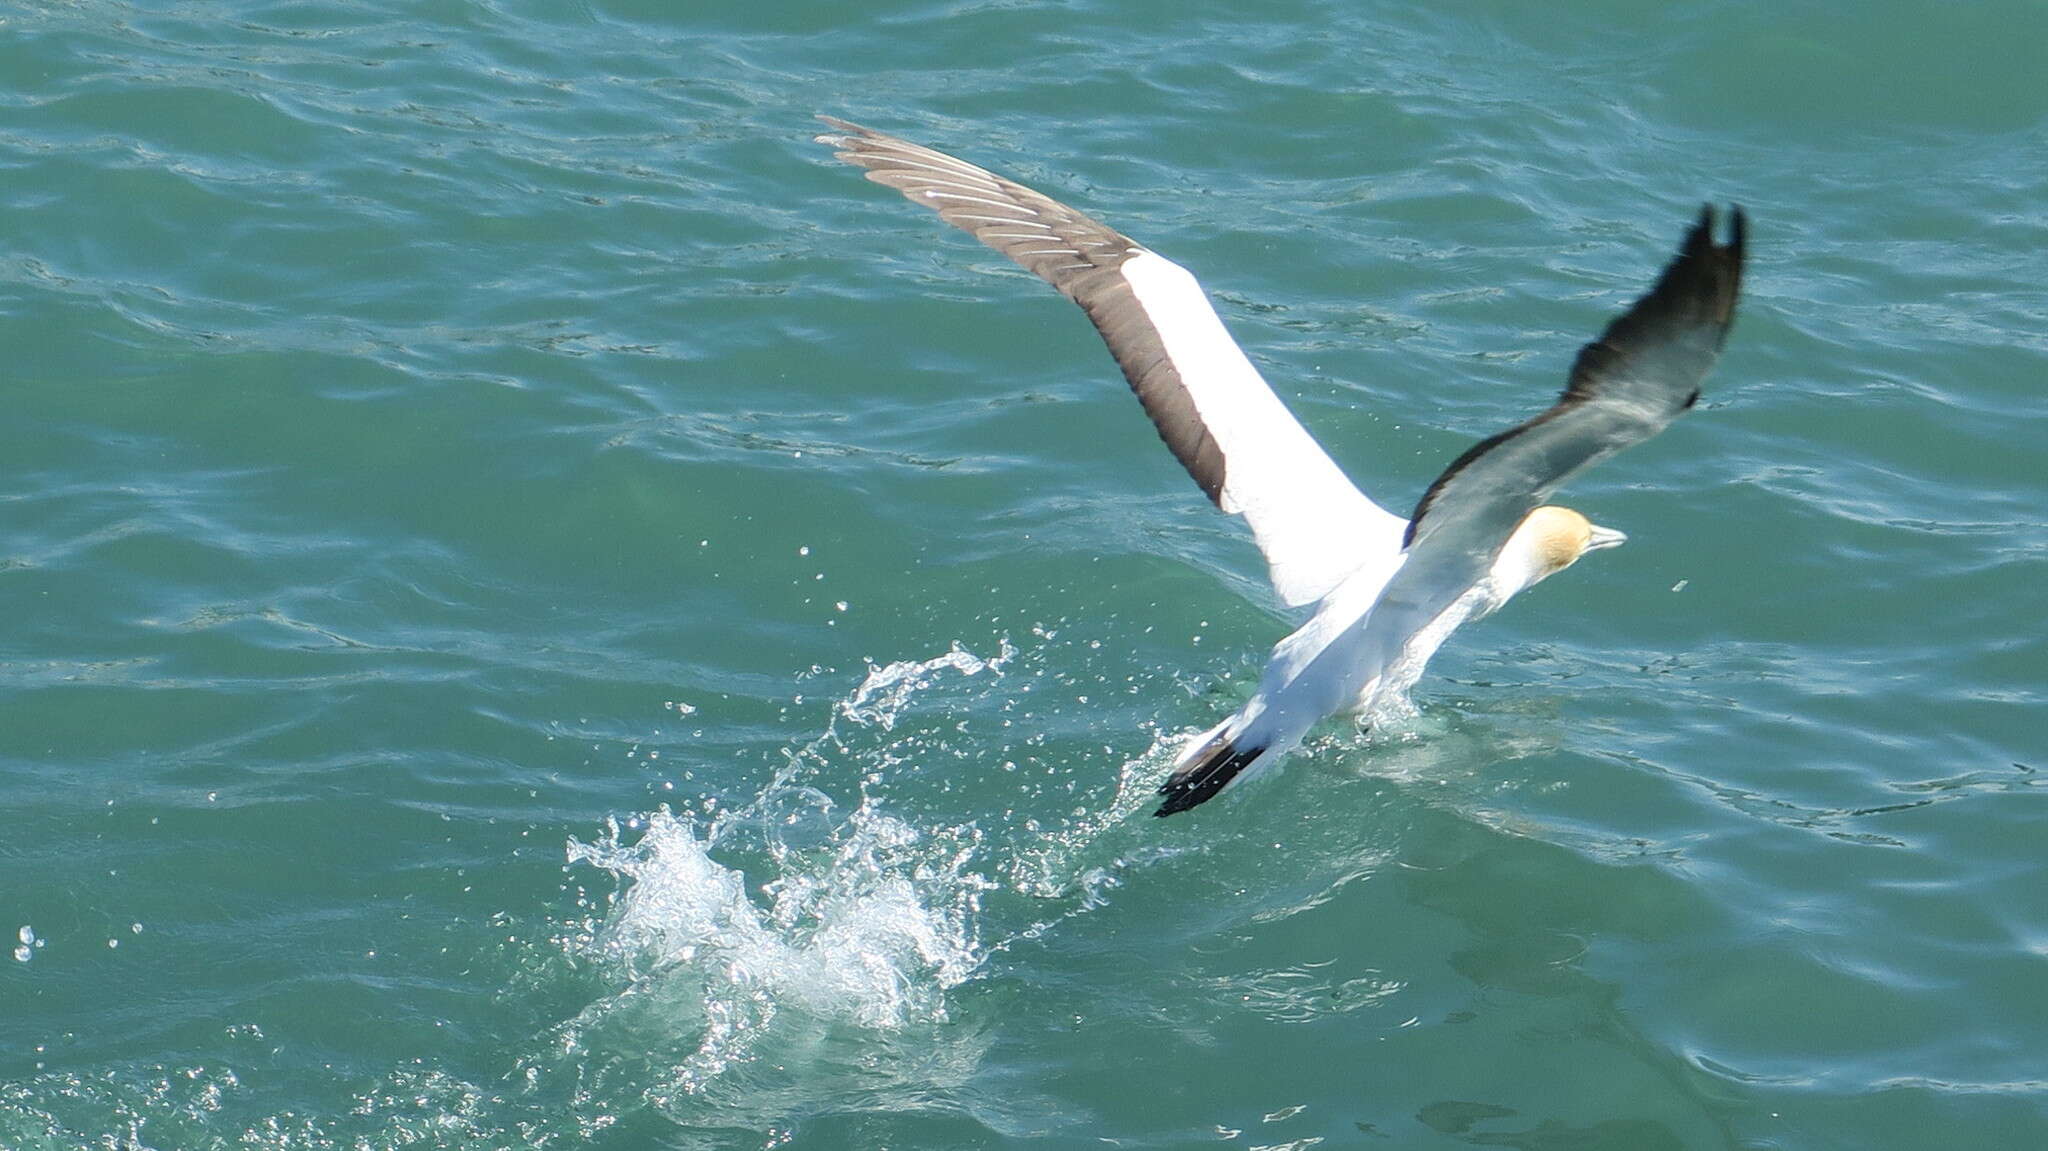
[843, 914]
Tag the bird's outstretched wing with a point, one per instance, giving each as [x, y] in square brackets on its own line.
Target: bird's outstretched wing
[1218, 416]
[1625, 387]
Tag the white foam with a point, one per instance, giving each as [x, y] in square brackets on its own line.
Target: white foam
[837, 904]
[849, 915]
[862, 933]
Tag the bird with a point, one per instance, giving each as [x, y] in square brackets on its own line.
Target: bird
[1387, 591]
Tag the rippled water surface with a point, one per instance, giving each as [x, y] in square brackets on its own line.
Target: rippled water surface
[540, 610]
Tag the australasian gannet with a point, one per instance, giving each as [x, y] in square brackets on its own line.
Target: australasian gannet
[1388, 591]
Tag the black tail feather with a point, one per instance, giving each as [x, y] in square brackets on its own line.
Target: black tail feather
[1211, 771]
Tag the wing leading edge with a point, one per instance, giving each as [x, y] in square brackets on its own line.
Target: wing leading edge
[1210, 405]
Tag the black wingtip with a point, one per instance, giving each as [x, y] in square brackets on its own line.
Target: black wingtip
[1705, 277]
[1697, 289]
[1738, 241]
[1701, 238]
[1705, 227]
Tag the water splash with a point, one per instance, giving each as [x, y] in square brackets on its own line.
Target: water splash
[854, 916]
[882, 696]
[810, 948]
[869, 930]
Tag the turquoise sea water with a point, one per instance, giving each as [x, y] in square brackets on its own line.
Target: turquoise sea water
[539, 610]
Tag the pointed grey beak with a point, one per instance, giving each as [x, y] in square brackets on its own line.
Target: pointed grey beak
[1605, 538]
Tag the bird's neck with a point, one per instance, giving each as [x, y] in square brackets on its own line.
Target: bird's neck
[1518, 568]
